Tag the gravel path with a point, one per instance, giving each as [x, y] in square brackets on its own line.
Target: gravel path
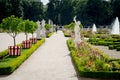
[112, 53]
[50, 62]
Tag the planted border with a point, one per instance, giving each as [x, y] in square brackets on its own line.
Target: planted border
[50, 34]
[114, 74]
[10, 63]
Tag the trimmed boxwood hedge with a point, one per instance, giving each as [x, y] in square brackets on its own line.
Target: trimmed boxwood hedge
[10, 63]
[3, 53]
[118, 48]
[50, 34]
[92, 74]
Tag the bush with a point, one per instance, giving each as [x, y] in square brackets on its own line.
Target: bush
[9, 64]
[50, 34]
[111, 47]
[118, 48]
[3, 53]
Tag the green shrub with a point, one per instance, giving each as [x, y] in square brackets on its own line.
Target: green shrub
[111, 47]
[3, 53]
[9, 64]
[50, 34]
[118, 48]
[47, 26]
[101, 43]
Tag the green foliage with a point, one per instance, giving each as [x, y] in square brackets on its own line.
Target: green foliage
[47, 26]
[11, 24]
[3, 53]
[33, 10]
[9, 64]
[50, 34]
[70, 26]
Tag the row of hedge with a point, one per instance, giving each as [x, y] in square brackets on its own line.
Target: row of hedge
[67, 34]
[86, 72]
[10, 63]
[50, 34]
[111, 43]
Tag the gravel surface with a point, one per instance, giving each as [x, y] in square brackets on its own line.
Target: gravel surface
[112, 53]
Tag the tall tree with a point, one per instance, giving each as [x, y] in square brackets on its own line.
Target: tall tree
[17, 8]
[5, 9]
[116, 8]
[33, 10]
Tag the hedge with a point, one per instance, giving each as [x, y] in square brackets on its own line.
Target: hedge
[3, 53]
[50, 34]
[93, 74]
[10, 63]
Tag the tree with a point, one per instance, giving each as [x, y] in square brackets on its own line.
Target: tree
[17, 8]
[5, 9]
[33, 10]
[67, 11]
[116, 8]
[33, 27]
[13, 26]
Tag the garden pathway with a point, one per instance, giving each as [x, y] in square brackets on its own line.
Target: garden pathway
[112, 53]
[50, 62]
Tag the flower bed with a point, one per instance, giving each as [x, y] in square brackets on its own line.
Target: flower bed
[91, 62]
[10, 63]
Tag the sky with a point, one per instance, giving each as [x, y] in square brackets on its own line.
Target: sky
[44, 1]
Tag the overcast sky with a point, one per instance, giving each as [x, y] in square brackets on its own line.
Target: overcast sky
[45, 1]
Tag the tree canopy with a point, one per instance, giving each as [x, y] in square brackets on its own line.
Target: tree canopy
[61, 12]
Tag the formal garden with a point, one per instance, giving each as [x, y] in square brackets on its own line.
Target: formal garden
[85, 25]
[90, 61]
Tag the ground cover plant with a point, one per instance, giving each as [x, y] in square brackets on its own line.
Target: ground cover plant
[91, 62]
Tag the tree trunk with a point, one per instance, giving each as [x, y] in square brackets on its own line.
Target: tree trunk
[26, 36]
[32, 35]
[14, 41]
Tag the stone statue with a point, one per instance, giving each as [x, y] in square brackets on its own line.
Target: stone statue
[42, 29]
[77, 32]
[38, 30]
